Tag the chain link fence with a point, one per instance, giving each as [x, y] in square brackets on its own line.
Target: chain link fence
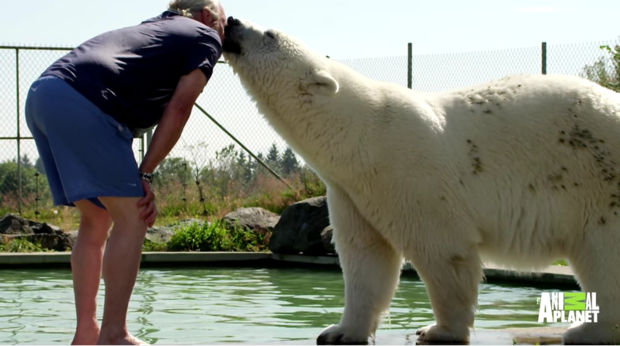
[222, 161]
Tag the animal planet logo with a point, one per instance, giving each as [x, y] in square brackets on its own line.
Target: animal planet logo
[568, 307]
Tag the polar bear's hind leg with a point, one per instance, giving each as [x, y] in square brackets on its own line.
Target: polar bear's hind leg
[596, 264]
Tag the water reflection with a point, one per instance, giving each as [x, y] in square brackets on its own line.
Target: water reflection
[230, 305]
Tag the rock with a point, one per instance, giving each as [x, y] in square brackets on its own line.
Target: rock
[15, 224]
[56, 242]
[326, 238]
[44, 228]
[159, 234]
[49, 236]
[252, 219]
[300, 227]
[73, 235]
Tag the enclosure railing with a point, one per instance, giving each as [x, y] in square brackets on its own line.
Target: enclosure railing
[22, 180]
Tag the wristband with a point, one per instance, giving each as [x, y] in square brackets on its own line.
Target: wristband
[148, 177]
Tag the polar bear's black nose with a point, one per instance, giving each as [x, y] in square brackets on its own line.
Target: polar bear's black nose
[233, 21]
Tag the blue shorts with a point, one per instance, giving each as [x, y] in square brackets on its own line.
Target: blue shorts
[86, 153]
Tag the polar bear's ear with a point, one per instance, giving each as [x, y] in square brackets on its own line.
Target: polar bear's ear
[322, 83]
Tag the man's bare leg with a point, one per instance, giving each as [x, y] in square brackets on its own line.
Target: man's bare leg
[121, 263]
[86, 262]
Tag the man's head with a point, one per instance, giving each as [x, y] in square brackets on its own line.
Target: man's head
[209, 12]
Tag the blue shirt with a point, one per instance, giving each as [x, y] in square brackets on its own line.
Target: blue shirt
[131, 73]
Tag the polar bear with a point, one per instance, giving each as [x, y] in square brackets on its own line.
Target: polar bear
[519, 171]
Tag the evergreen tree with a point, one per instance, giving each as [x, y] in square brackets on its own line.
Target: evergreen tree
[26, 162]
[273, 156]
[274, 159]
[290, 165]
[38, 165]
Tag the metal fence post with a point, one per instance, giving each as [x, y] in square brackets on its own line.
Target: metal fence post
[544, 58]
[141, 148]
[19, 155]
[149, 137]
[410, 65]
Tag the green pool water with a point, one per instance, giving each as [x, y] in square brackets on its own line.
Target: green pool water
[232, 305]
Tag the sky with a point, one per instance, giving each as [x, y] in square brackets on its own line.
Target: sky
[455, 44]
[343, 29]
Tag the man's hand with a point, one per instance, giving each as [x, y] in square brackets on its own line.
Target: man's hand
[149, 214]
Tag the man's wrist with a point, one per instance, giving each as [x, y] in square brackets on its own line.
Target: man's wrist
[148, 177]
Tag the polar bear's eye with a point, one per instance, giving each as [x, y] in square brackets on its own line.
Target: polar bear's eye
[270, 35]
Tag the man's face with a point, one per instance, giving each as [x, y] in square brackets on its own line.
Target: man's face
[221, 23]
[217, 25]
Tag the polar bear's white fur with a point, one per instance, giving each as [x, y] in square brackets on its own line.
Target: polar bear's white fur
[520, 171]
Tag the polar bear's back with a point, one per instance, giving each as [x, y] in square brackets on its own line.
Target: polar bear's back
[533, 154]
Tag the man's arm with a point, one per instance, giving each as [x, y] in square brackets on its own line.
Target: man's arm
[173, 120]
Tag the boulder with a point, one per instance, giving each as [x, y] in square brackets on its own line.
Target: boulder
[252, 219]
[50, 237]
[73, 235]
[15, 224]
[300, 228]
[159, 234]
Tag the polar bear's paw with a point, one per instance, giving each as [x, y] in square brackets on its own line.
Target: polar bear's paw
[336, 335]
[438, 334]
[591, 334]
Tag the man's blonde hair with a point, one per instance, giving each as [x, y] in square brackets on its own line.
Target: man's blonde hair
[186, 7]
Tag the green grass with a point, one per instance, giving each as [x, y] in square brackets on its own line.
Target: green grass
[150, 246]
[21, 246]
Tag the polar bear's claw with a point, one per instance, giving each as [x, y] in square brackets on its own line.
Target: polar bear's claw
[335, 335]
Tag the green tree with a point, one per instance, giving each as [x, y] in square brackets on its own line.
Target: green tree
[290, 165]
[273, 156]
[32, 182]
[38, 164]
[245, 167]
[26, 162]
[274, 160]
[173, 169]
[606, 70]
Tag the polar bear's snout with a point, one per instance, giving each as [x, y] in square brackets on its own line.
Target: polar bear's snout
[232, 36]
[232, 21]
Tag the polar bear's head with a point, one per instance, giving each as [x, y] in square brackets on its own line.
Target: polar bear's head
[274, 66]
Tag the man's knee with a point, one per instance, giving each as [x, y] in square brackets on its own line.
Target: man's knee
[93, 216]
[124, 210]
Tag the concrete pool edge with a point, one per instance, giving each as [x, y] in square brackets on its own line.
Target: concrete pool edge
[551, 275]
[554, 275]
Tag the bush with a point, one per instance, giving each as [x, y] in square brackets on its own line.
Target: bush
[216, 237]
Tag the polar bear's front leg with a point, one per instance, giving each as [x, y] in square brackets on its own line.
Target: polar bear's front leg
[451, 278]
[371, 270]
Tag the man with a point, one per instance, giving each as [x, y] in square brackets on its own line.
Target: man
[84, 112]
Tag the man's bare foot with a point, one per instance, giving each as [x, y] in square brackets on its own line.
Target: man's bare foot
[86, 335]
[126, 340]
